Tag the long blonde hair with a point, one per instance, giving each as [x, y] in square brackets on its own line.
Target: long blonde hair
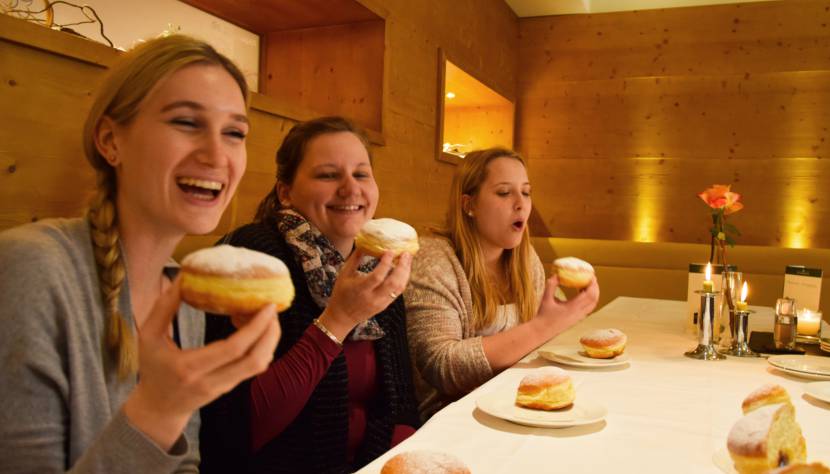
[119, 99]
[461, 231]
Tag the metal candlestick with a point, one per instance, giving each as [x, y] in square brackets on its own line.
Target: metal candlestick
[705, 349]
[740, 335]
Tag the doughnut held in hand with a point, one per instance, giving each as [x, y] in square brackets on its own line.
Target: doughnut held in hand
[604, 343]
[381, 235]
[573, 272]
[546, 388]
[234, 280]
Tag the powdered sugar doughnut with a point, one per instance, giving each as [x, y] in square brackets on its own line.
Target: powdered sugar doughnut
[424, 462]
[380, 235]
[546, 388]
[573, 272]
[604, 343]
[235, 280]
[767, 394]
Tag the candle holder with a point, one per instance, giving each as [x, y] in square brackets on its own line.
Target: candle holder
[740, 335]
[808, 321]
[705, 349]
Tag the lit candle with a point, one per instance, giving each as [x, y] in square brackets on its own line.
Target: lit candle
[742, 305]
[708, 285]
[808, 322]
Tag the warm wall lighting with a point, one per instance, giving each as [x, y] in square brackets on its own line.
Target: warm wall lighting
[798, 223]
[450, 95]
[647, 206]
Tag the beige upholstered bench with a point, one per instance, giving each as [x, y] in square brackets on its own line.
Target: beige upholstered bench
[660, 270]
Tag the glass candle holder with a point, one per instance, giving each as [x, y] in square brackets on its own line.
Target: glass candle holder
[809, 323]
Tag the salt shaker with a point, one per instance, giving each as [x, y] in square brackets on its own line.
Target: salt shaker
[786, 323]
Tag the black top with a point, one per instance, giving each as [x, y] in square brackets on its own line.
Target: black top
[316, 441]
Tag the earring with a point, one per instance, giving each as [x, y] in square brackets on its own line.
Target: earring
[470, 213]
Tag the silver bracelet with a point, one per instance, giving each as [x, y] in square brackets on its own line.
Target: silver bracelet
[326, 331]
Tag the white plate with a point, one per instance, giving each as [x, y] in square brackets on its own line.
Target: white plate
[819, 390]
[502, 404]
[574, 356]
[810, 367]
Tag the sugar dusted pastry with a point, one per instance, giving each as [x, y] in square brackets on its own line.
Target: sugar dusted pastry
[604, 343]
[424, 462]
[766, 438]
[767, 394]
[546, 388]
[573, 272]
[235, 280]
[380, 235]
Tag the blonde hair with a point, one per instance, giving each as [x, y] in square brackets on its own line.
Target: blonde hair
[119, 98]
[461, 231]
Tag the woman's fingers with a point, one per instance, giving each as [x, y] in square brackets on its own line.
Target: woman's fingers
[381, 271]
[397, 279]
[163, 312]
[255, 361]
[219, 353]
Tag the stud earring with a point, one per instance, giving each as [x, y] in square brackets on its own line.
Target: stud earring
[470, 213]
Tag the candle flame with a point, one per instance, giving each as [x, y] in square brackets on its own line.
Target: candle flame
[708, 271]
[744, 291]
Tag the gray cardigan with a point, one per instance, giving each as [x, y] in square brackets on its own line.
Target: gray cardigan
[60, 401]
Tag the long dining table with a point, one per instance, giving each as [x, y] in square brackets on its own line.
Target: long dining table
[666, 413]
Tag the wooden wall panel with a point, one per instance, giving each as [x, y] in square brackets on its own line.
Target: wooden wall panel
[338, 69]
[483, 127]
[626, 116]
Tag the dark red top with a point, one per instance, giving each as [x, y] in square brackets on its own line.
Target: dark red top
[279, 394]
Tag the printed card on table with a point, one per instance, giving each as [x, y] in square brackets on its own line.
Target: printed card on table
[803, 285]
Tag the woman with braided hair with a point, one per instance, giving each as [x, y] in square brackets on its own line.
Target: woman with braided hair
[102, 365]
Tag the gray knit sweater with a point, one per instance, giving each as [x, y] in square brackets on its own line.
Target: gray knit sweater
[449, 358]
[60, 396]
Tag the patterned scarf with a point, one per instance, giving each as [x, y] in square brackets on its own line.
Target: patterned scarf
[321, 262]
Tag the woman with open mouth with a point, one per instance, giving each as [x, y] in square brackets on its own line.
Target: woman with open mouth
[339, 392]
[102, 364]
[478, 301]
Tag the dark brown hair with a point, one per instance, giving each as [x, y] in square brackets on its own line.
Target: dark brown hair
[292, 151]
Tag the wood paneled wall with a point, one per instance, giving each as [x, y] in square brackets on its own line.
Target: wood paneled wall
[625, 117]
[480, 127]
[47, 80]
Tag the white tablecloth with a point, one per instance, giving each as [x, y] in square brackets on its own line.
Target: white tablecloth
[666, 413]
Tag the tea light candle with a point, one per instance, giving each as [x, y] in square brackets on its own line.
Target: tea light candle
[708, 284]
[742, 305]
[808, 322]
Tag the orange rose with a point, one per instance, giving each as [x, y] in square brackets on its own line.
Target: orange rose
[719, 197]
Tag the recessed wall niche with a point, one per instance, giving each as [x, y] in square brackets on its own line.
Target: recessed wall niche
[318, 57]
[471, 115]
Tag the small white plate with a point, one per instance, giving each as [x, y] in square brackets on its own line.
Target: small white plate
[502, 404]
[819, 390]
[810, 367]
[575, 356]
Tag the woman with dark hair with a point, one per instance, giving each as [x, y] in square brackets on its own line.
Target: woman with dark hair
[339, 391]
[102, 369]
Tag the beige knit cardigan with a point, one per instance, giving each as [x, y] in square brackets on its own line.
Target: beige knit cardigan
[448, 357]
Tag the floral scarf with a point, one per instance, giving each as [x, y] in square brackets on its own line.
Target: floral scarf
[321, 262]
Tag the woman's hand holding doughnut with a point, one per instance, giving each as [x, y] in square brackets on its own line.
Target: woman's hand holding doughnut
[173, 383]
